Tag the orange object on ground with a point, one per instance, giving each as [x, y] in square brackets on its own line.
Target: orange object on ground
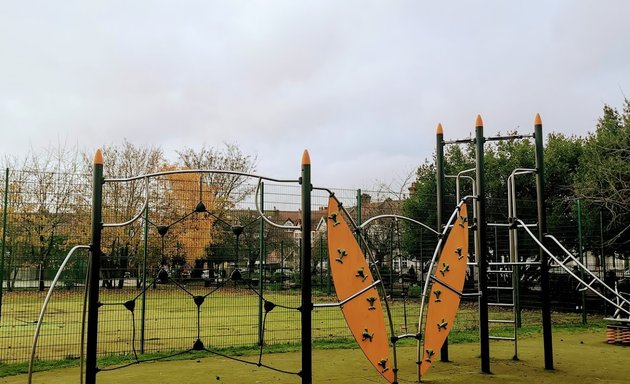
[443, 302]
[351, 274]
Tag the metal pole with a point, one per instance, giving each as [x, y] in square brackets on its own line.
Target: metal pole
[581, 257]
[439, 165]
[482, 248]
[321, 262]
[542, 230]
[94, 272]
[307, 304]
[4, 233]
[261, 261]
[144, 278]
[602, 275]
[281, 264]
[359, 207]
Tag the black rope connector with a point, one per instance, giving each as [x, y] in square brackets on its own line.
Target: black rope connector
[237, 230]
[269, 306]
[394, 339]
[198, 345]
[236, 275]
[130, 305]
[201, 207]
[162, 229]
[512, 222]
[198, 300]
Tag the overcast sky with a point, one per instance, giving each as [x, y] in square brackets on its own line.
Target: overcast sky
[360, 84]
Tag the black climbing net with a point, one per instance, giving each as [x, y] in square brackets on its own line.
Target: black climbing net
[206, 295]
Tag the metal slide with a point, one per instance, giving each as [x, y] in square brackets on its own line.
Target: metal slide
[595, 285]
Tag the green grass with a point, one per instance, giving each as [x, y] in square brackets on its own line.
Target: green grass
[229, 324]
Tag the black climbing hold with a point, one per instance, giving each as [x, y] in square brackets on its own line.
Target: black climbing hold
[442, 325]
[437, 294]
[130, 305]
[430, 354]
[333, 217]
[361, 274]
[371, 300]
[342, 253]
[383, 364]
[367, 335]
[162, 229]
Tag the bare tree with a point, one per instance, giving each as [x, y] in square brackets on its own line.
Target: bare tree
[44, 205]
[228, 189]
[122, 201]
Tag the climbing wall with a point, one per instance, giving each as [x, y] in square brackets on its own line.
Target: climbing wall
[351, 275]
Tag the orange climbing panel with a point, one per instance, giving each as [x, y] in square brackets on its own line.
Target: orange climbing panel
[351, 275]
[443, 300]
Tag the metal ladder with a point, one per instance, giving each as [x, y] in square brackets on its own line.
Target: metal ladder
[494, 275]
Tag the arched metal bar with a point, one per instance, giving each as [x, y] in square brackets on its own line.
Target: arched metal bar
[146, 177]
[208, 171]
[371, 219]
[45, 305]
[139, 214]
[262, 215]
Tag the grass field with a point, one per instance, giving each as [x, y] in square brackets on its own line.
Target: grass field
[581, 355]
[229, 324]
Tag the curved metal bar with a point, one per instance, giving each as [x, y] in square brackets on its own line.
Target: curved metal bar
[331, 193]
[587, 285]
[438, 248]
[45, 305]
[184, 171]
[462, 174]
[262, 215]
[371, 219]
[349, 298]
[136, 217]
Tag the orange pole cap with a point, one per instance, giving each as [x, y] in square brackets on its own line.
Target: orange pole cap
[478, 122]
[306, 159]
[98, 157]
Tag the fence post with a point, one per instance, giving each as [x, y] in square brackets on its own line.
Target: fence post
[581, 257]
[4, 233]
[542, 231]
[482, 248]
[261, 260]
[144, 277]
[95, 259]
[307, 306]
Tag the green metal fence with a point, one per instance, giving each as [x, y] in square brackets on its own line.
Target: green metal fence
[175, 253]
